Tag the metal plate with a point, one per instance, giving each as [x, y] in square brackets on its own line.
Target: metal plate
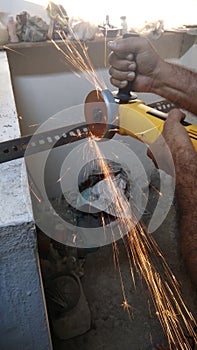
[17, 148]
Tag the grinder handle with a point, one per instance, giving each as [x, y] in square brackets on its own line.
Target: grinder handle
[124, 93]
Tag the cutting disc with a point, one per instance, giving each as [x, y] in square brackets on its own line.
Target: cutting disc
[101, 113]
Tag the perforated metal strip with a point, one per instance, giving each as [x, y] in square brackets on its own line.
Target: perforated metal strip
[16, 148]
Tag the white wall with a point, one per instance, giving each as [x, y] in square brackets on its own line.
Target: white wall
[13, 7]
[40, 97]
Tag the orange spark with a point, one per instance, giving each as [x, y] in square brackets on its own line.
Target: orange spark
[35, 195]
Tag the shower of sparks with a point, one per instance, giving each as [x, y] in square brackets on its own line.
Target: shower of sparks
[105, 51]
[125, 305]
[144, 254]
[156, 190]
[74, 237]
[34, 194]
[60, 178]
[33, 125]
[142, 251]
[171, 311]
[80, 62]
[8, 48]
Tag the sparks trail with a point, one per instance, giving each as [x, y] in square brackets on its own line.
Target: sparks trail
[34, 194]
[79, 61]
[144, 254]
[60, 178]
[169, 305]
[142, 251]
[155, 189]
[13, 50]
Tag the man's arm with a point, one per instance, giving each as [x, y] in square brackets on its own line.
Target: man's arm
[185, 162]
[136, 60]
[178, 85]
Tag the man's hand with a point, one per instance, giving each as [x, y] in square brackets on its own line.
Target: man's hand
[181, 148]
[177, 137]
[136, 60]
[175, 145]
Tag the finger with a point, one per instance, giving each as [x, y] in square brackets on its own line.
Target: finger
[122, 45]
[175, 134]
[175, 115]
[130, 57]
[172, 125]
[119, 83]
[127, 45]
[120, 63]
[132, 66]
[120, 75]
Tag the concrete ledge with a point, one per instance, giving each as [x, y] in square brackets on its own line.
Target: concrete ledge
[24, 323]
[28, 57]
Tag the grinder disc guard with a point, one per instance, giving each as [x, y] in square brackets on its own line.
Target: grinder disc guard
[101, 113]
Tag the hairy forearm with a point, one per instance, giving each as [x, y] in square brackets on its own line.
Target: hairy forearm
[188, 228]
[186, 189]
[178, 85]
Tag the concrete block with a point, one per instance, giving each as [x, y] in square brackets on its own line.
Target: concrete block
[24, 323]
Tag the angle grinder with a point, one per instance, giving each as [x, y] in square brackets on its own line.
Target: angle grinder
[107, 113]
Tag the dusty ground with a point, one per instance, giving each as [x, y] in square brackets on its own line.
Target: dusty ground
[111, 327]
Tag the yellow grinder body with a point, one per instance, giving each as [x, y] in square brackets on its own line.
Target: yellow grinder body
[134, 118]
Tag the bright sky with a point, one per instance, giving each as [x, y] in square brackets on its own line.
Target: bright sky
[173, 12]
